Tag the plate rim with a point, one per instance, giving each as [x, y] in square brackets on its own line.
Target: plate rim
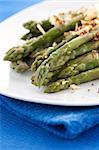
[39, 100]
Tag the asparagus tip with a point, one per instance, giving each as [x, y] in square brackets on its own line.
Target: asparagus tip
[6, 58]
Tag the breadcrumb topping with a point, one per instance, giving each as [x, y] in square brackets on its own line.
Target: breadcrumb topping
[88, 23]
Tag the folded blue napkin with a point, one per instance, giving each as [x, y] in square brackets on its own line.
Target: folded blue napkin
[66, 122]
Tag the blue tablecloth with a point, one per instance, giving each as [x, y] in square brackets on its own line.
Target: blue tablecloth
[10, 7]
[17, 129]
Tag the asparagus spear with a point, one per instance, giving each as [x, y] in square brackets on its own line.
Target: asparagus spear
[62, 55]
[27, 36]
[19, 66]
[40, 51]
[78, 79]
[81, 64]
[45, 54]
[34, 31]
[43, 41]
[33, 80]
[28, 24]
[32, 26]
[85, 48]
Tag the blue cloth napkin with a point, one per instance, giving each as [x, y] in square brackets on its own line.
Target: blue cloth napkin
[19, 134]
[65, 122]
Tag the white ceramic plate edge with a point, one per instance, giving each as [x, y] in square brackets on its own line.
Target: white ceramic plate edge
[41, 100]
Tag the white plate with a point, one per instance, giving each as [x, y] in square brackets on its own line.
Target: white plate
[19, 85]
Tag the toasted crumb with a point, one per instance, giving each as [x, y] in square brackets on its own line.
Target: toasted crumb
[76, 27]
[67, 33]
[61, 14]
[73, 86]
[95, 54]
[64, 82]
[54, 44]
[96, 38]
[46, 57]
[57, 20]
[92, 84]
[91, 17]
[91, 13]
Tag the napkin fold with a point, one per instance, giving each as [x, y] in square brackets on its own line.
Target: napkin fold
[66, 122]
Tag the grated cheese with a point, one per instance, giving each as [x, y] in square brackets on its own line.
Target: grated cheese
[40, 29]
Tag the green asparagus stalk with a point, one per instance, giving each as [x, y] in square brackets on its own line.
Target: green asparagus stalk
[40, 51]
[58, 41]
[27, 36]
[19, 66]
[45, 54]
[78, 79]
[85, 48]
[25, 64]
[62, 55]
[81, 64]
[29, 24]
[34, 31]
[32, 26]
[43, 41]
[33, 79]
